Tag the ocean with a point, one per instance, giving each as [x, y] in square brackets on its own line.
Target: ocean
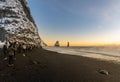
[107, 53]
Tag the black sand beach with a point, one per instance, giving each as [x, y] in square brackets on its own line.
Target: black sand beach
[45, 66]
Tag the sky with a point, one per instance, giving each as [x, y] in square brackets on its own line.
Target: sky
[81, 22]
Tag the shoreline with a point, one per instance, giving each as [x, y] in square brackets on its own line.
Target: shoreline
[93, 55]
[41, 65]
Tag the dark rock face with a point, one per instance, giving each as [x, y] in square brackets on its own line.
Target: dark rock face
[57, 44]
[16, 22]
[3, 32]
[27, 11]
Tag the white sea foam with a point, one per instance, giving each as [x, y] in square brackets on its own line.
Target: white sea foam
[111, 54]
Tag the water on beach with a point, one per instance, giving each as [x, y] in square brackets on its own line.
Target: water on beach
[109, 53]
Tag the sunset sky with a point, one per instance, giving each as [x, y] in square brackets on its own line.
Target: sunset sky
[81, 22]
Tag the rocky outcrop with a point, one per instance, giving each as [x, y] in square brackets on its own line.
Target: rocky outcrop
[16, 22]
[57, 44]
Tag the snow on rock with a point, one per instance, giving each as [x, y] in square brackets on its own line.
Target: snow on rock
[17, 22]
[1, 44]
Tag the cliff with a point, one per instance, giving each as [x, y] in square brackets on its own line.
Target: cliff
[17, 23]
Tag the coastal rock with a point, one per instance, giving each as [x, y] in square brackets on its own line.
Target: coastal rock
[105, 72]
[68, 44]
[16, 23]
[57, 44]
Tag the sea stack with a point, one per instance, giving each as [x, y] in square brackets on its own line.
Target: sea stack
[57, 44]
[16, 22]
[68, 44]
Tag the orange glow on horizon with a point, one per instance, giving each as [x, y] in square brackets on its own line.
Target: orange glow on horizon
[83, 43]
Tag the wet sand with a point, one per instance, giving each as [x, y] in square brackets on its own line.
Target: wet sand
[45, 66]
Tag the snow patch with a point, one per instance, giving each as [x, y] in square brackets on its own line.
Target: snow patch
[1, 44]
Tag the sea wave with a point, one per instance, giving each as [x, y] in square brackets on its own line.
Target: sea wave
[111, 54]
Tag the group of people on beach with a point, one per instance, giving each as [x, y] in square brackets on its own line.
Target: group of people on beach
[11, 48]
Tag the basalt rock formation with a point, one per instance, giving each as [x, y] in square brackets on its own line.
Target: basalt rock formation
[16, 22]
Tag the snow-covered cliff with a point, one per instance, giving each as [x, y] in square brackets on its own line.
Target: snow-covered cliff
[16, 22]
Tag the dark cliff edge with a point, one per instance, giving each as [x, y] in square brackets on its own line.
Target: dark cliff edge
[17, 23]
[27, 11]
